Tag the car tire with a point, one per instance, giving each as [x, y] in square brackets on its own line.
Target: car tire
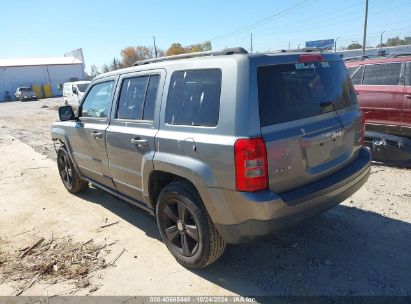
[186, 227]
[68, 174]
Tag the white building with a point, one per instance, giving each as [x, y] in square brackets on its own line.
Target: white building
[52, 71]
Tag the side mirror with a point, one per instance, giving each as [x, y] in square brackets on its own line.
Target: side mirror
[75, 91]
[66, 113]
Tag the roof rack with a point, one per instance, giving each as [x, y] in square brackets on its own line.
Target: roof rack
[229, 51]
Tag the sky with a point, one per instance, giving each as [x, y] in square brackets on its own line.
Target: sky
[102, 28]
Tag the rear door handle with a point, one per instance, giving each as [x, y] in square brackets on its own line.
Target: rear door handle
[138, 141]
[408, 96]
[96, 134]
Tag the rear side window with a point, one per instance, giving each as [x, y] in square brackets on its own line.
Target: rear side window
[194, 98]
[357, 77]
[289, 92]
[137, 98]
[382, 74]
[133, 91]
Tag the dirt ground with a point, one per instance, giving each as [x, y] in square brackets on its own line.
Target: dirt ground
[361, 247]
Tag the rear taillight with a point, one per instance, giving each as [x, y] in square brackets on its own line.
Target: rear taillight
[250, 164]
[363, 126]
[310, 58]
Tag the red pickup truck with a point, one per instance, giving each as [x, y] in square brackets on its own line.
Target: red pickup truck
[383, 86]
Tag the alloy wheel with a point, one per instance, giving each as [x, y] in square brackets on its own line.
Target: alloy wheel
[180, 227]
[66, 170]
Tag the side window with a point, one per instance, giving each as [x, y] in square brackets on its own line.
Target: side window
[131, 102]
[408, 74]
[382, 74]
[137, 98]
[357, 77]
[151, 96]
[97, 101]
[194, 98]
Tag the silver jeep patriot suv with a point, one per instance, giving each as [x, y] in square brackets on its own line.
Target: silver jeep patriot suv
[221, 147]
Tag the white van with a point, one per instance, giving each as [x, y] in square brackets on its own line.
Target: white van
[74, 91]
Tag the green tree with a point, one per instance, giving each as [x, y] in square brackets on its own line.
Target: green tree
[397, 41]
[176, 49]
[354, 46]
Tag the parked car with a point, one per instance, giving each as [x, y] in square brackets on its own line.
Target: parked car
[383, 86]
[222, 148]
[74, 91]
[25, 93]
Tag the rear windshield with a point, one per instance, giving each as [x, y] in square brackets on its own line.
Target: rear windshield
[293, 91]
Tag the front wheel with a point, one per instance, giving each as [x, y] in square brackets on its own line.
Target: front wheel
[186, 227]
[68, 174]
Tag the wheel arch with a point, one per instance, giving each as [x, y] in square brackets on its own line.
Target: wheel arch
[60, 137]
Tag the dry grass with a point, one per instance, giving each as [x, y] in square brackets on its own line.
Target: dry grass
[52, 262]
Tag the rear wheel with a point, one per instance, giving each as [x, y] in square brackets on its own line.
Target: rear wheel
[69, 176]
[186, 227]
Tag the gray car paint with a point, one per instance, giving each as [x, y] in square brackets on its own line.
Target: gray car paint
[205, 155]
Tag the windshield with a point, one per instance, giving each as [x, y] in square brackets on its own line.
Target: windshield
[25, 89]
[82, 87]
[293, 91]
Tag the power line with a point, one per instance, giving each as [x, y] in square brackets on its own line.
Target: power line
[336, 19]
[261, 22]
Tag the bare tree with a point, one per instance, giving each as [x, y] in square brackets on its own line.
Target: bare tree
[94, 71]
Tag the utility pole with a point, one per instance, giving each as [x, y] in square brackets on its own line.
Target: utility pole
[289, 46]
[381, 42]
[364, 38]
[251, 43]
[115, 64]
[155, 47]
[335, 44]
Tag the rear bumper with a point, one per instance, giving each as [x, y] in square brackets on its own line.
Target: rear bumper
[389, 149]
[28, 98]
[265, 212]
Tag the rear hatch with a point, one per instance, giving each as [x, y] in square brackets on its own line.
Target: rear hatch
[309, 119]
[27, 92]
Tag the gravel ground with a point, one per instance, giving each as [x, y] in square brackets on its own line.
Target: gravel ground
[361, 247]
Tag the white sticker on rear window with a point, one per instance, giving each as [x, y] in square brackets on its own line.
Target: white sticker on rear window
[312, 65]
[304, 66]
